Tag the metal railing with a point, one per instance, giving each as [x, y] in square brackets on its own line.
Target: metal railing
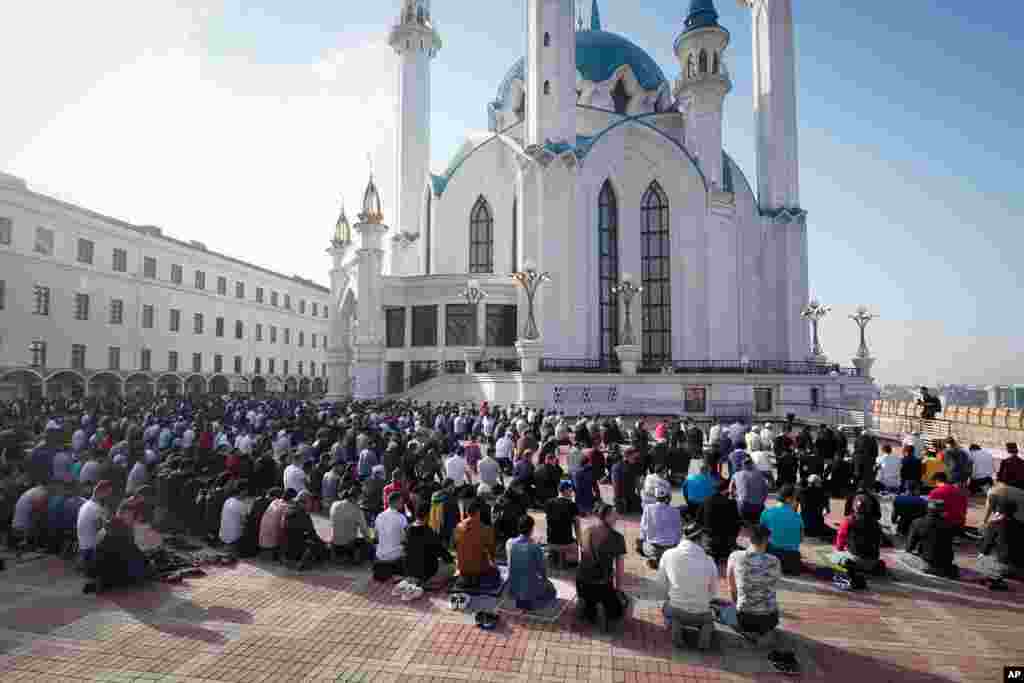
[498, 365]
[587, 365]
[760, 367]
[455, 367]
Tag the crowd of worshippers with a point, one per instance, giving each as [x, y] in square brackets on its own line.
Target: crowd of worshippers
[440, 494]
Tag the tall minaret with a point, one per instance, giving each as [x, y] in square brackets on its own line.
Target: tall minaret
[551, 76]
[416, 42]
[700, 49]
[778, 168]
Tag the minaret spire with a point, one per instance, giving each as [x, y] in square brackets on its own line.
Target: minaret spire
[595, 17]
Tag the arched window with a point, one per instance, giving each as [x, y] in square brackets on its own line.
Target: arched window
[608, 268]
[691, 67]
[547, 40]
[714, 64]
[703, 62]
[620, 98]
[655, 263]
[515, 234]
[428, 219]
[481, 238]
[547, 87]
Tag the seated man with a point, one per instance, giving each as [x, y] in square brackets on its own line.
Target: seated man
[389, 528]
[249, 546]
[91, 517]
[859, 540]
[721, 524]
[906, 509]
[563, 525]
[547, 478]
[954, 500]
[652, 482]
[661, 527]
[1002, 548]
[813, 503]
[272, 524]
[424, 550]
[232, 518]
[787, 530]
[527, 572]
[690, 578]
[475, 551]
[697, 488]
[602, 568]
[351, 534]
[29, 524]
[301, 543]
[753, 575]
[930, 543]
[119, 562]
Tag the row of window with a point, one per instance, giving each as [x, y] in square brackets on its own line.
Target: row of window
[460, 325]
[82, 312]
[655, 260]
[78, 361]
[86, 251]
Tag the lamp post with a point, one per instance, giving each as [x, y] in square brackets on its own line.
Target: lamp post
[627, 290]
[530, 280]
[862, 317]
[815, 311]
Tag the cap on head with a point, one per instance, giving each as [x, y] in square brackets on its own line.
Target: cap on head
[661, 495]
[1011, 448]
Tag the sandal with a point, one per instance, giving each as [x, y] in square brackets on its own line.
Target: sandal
[459, 602]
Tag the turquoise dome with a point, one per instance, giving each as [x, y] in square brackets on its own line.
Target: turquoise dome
[598, 55]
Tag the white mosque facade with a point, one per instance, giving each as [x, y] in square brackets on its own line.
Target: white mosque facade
[596, 170]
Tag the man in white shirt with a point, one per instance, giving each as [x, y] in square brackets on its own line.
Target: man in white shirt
[455, 468]
[490, 471]
[294, 476]
[503, 450]
[189, 437]
[888, 464]
[281, 444]
[136, 478]
[982, 468]
[754, 440]
[390, 528]
[232, 518]
[690, 579]
[90, 517]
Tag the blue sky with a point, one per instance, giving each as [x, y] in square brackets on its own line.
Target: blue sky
[909, 121]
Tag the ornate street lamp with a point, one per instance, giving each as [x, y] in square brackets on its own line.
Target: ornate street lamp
[530, 280]
[473, 296]
[862, 317]
[627, 290]
[815, 312]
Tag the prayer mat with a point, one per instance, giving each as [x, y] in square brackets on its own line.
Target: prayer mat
[967, 574]
[494, 591]
[548, 615]
[13, 559]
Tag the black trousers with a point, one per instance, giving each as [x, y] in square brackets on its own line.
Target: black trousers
[594, 594]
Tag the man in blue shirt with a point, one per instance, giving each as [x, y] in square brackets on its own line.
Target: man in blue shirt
[661, 527]
[697, 488]
[787, 530]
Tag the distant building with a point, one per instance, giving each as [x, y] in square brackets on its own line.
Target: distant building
[963, 395]
[1005, 396]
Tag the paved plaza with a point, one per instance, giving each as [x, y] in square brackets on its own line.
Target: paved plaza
[258, 621]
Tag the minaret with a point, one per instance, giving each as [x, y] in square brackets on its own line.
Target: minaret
[703, 85]
[369, 262]
[551, 76]
[416, 42]
[778, 177]
[339, 351]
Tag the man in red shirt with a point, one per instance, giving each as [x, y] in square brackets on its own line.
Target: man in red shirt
[954, 500]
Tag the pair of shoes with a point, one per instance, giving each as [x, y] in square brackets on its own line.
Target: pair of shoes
[407, 590]
[704, 637]
[842, 582]
[459, 602]
[488, 621]
[89, 588]
[998, 585]
[784, 662]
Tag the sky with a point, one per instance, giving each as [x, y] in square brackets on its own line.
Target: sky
[245, 124]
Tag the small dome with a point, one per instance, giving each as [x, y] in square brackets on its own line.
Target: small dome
[371, 213]
[702, 15]
[342, 231]
[598, 55]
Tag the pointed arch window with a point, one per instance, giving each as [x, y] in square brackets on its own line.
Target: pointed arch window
[547, 40]
[547, 87]
[703, 62]
[620, 98]
[515, 234]
[608, 268]
[481, 238]
[656, 265]
[715, 66]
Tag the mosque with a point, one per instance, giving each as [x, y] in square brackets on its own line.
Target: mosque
[597, 178]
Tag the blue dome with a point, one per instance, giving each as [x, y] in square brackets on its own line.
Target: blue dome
[598, 55]
[702, 15]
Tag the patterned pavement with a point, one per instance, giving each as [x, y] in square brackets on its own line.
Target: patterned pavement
[261, 622]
